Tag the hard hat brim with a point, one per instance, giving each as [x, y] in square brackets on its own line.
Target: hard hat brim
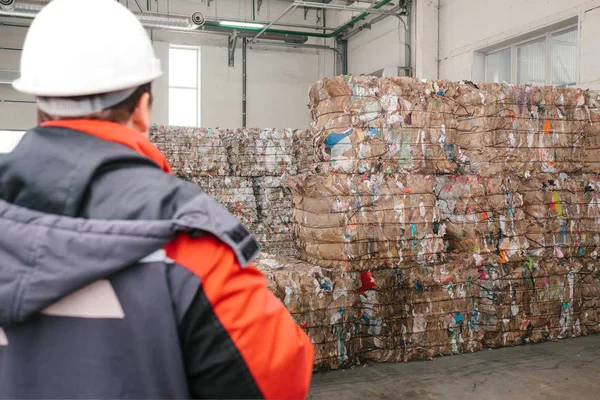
[27, 88]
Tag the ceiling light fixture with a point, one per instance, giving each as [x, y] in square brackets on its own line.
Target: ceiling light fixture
[235, 24]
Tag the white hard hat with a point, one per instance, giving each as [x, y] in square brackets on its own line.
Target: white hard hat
[86, 47]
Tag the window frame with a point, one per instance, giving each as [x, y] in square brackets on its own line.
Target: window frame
[190, 88]
[547, 36]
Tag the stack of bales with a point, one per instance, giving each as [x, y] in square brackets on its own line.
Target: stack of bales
[242, 169]
[463, 212]
[369, 209]
[428, 217]
[532, 139]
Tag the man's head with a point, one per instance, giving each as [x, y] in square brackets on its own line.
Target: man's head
[89, 59]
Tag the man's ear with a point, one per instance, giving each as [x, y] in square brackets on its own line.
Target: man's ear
[142, 114]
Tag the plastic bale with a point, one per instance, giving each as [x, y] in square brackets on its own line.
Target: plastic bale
[261, 152]
[274, 210]
[234, 194]
[193, 152]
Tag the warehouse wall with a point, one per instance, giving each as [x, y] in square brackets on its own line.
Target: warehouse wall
[372, 49]
[278, 81]
[17, 111]
[381, 46]
[491, 23]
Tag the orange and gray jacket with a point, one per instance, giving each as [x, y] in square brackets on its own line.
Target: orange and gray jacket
[118, 280]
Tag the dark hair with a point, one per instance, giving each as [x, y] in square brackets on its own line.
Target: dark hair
[119, 113]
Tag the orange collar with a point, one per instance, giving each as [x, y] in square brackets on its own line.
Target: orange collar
[116, 133]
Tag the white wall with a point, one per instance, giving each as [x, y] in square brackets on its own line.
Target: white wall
[373, 49]
[278, 78]
[277, 85]
[381, 46]
[17, 111]
[467, 26]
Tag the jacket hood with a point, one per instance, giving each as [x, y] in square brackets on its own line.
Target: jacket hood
[44, 257]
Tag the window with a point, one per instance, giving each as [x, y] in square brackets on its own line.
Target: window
[531, 62]
[9, 140]
[497, 66]
[550, 59]
[184, 86]
[564, 57]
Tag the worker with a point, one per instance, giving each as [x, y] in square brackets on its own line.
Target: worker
[117, 279]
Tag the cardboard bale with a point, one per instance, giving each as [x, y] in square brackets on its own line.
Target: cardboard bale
[540, 300]
[261, 152]
[323, 302]
[193, 152]
[274, 210]
[388, 150]
[356, 222]
[234, 194]
[304, 151]
[591, 140]
[483, 216]
[524, 130]
[564, 212]
[405, 318]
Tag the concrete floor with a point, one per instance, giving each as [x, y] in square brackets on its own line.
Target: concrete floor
[569, 369]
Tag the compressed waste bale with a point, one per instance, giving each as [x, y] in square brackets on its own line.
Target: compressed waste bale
[404, 320]
[304, 151]
[564, 213]
[540, 300]
[524, 130]
[591, 140]
[357, 222]
[234, 194]
[274, 210]
[388, 150]
[322, 301]
[385, 124]
[261, 152]
[483, 215]
[193, 152]
[485, 129]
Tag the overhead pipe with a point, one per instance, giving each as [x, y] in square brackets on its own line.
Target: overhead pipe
[333, 34]
[371, 22]
[358, 18]
[12, 8]
[291, 7]
[286, 24]
[339, 7]
[171, 22]
[273, 31]
[30, 10]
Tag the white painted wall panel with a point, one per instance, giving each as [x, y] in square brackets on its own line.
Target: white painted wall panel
[467, 26]
[589, 64]
[12, 36]
[381, 46]
[16, 109]
[221, 88]
[278, 84]
[278, 81]
[17, 116]
[426, 38]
